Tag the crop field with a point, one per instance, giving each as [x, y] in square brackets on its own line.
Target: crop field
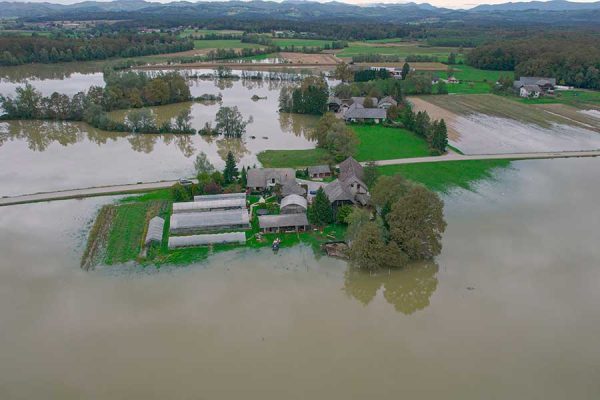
[223, 44]
[202, 32]
[487, 123]
[301, 42]
[401, 50]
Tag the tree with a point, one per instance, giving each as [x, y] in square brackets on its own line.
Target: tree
[141, 120]
[323, 127]
[452, 58]
[388, 189]
[370, 174]
[368, 102]
[343, 212]
[183, 121]
[229, 122]
[341, 141]
[405, 70]
[202, 165]
[370, 251]
[422, 124]
[320, 212]
[180, 193]
[416, 223]
[230, 173]
[439, 137]
[356, 220]
[441, 87]
[343, 72]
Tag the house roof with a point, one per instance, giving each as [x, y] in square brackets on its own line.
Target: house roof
[359, 112]
[282, 220]
[360, 100]
[155, 230]
[294, 200]
[338, 191]
[532, 88]
[350, 167]
[212, 219]
[200, 240]
[292, 187]
[389, 100]
[534, 80]
[319, 169]
[257, 177]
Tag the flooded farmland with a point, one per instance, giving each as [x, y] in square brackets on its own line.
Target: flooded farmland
[508, 310]
[483, 124]
[64, 155]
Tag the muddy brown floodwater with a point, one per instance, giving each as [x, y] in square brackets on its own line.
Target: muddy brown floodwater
[508, 310]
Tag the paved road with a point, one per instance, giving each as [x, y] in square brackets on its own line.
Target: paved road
[149, 186]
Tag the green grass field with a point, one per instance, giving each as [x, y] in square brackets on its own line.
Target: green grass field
[472, 80]
[292, 158]
[201, 32]
[301, 42]
[223, 44]
[443, 176]
[577, 98]
[358, 48]
[381, 143]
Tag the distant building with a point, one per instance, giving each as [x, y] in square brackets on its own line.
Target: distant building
[293, 204]
[319, 171]
[452, 80]
[259, 179]
[387, 102]
[334, 104]
[545, 85]
[530, 91]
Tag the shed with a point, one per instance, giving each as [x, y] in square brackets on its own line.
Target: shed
[283, 223]
[206, 239]
[293, 204]
[187, 223]
[319, 171]
[155, 231]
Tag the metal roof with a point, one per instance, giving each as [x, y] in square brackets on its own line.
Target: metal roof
[220, 196]
[200, 240]
[282, 220]
[258, 177]
[294, 199]
[212, 219]
[354, 112]
[206, 205]
[319, 169]
[155, 230]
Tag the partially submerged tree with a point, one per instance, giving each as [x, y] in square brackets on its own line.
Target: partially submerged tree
[230, 122]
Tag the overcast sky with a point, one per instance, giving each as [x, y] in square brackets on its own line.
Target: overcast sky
[438, 3]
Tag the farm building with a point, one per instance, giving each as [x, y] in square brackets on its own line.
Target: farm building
[283, 223]
[222, 196]
[319, 171]
[533, 91]
[206, 239]
[189, 223]
[545, 85]
[155, 231]
[292, 187]
[293, 204]
[259, 179]
[351, 167]
[358, 113]
[349, 188]
[210, 205]
[387, 102]
[452, 80]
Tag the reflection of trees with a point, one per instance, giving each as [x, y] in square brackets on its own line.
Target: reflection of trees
[298, 124]
[223, 83]
[22, 73]
[408, 289]
[236, 146]
[40, 134]
[143, 143]
[183, 142]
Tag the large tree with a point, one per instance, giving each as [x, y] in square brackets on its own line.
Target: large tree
[320, 212]
[439, 136]
[229, 122]
[370, 251]
[230, 173]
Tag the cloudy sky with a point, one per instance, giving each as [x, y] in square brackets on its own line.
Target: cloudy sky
[439, 3]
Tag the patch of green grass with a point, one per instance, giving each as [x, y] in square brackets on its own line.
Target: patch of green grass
[291, 158]
[160, 194]
[578, 98]
[382, 143]
[443, 176]
[125, 238]
[223, 44]
[464, 72]
[469, 87]
[301, 42]
[357, 48]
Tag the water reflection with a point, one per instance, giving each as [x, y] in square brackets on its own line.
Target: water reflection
[236, 146]
[408, 289]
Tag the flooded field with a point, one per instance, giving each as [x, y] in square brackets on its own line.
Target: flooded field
[480, 124]
[71, 155]
[509, 309]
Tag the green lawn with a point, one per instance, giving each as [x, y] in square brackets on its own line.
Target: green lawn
[380, 143]
[443, 176]
[223, 44]
[464, 72]
[291, 158]
[301, 42]
[578, 98]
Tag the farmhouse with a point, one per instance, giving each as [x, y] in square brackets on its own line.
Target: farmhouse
[292, 187]
[319, 171]
[533, 91]
[452, 80]
[349, 188]
[283, 223]
[545, 85]
[293, 204]
[259, 179]
[358, 113]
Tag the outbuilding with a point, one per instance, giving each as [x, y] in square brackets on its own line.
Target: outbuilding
[319, 171]
[293, 204]
[283, 223]
[155, 231]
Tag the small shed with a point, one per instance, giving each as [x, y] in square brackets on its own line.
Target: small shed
[283, 223]
[155, 231]
[319, 171]
[293, 204]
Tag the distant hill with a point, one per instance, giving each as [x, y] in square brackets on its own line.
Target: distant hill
[552, 5]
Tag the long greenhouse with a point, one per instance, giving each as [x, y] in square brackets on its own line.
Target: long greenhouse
[206, 239]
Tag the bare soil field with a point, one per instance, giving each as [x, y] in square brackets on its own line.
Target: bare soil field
[480, 124]
[301, 58]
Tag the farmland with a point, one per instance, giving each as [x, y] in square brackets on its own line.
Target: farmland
[301, 42]
[400, 50]
[223, 44]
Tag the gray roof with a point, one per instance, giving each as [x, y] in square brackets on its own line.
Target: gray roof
[388, 99]
[200, 240]
[292, 187]
[337, 191]
[350, 167]
[220, 196]
[359, 112]
[205, 220]
[534, 80]
[319, 169]
[155, 230]
[360, 100]
[294, 199]
[283, 220]
[207, 205]
[334, 100]
[532, 88]
[258, 177]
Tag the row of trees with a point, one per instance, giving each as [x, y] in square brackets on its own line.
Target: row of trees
[573, 59]
[434, 132]
[408, 225]
[39, 49]
[310, 97]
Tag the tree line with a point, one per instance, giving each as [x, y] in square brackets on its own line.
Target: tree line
[38, 49]
[572, 58]
[310, 97]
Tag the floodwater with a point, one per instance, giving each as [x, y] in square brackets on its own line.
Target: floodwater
[45, 156]
[508, 310]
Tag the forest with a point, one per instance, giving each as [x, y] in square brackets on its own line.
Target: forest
[17, 50]
[572, 58]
